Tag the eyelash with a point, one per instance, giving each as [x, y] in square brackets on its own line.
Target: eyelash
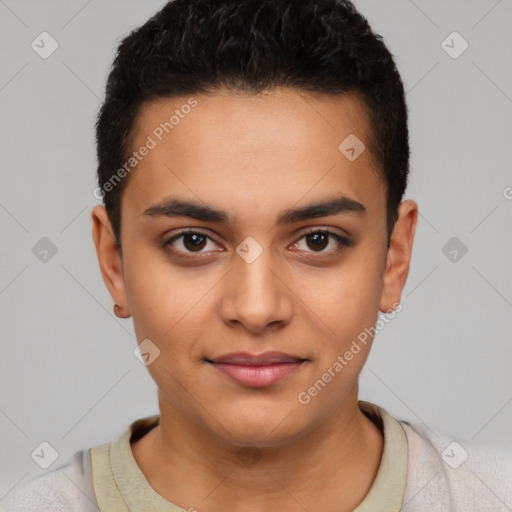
[341, 240]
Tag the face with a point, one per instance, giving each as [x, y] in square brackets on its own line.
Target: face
[224, 252]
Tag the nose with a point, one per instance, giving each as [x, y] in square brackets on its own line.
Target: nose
[256, 295]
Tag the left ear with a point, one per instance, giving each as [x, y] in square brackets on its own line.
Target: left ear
[399, 255]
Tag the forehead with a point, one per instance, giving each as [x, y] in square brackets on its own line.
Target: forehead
[275, 148]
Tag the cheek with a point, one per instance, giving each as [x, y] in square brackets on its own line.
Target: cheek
[346, 302]
[169, 305]
[344, 313]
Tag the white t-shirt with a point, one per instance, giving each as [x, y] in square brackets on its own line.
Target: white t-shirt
[420, 471]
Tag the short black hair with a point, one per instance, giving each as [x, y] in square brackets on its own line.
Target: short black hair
[198, 46]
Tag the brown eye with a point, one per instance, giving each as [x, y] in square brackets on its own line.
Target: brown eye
[316, 241]
[194, 242]
[319, 240]
[188, 242]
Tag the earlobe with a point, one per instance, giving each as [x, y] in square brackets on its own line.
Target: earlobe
[399, 255]
[109, 259]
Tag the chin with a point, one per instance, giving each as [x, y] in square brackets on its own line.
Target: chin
[249, 426]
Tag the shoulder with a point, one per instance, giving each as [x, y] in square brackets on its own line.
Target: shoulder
[68, 488]
[451, 474]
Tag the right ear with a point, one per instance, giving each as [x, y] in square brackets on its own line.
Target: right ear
[109, 258]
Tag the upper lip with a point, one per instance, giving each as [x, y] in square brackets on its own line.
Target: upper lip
[245, 358]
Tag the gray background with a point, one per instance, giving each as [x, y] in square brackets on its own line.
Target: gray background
[68, 375]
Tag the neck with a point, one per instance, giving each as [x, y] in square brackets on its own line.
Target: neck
[332, 467]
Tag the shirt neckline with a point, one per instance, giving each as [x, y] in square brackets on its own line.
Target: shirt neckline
[135, 492]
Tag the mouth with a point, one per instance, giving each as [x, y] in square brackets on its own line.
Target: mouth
[257, 371]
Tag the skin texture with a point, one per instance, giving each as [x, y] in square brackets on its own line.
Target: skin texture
[254, 156]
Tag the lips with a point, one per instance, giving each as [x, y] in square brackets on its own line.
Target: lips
[251, 370]
[267, 358]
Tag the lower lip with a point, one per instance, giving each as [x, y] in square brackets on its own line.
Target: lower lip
[257, 376]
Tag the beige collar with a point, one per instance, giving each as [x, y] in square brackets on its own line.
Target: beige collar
[120, 485]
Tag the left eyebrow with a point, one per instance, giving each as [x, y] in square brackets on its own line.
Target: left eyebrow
[337, 205]
[174, 207]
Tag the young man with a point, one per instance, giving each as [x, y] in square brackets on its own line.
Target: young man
[253, 157]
